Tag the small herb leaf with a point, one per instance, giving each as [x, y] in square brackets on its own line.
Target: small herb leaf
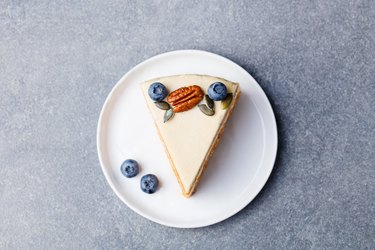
[168, 115]
[227, 101]
[162, 105]
[210, 102]
[206, 110]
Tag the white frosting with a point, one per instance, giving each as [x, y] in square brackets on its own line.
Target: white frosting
[188, 135]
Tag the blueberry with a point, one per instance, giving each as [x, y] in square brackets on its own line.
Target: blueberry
[157, 91]
[149, 183]
[129, 168]
[217, 91]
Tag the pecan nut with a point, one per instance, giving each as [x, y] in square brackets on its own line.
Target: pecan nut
[185, 98]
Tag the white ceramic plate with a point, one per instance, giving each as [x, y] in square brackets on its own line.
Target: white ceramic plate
[237, 171]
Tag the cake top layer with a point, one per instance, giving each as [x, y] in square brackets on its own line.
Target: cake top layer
[188, 135]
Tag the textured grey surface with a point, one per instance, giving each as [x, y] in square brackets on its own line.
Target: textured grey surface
[314, 59]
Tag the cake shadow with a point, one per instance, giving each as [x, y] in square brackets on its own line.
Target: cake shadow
[277, 171]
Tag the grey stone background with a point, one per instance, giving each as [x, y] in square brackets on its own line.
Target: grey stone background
[314, 59]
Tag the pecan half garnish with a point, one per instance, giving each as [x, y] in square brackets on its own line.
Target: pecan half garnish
[185, 98]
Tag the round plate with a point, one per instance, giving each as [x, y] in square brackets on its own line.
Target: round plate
[237, 171]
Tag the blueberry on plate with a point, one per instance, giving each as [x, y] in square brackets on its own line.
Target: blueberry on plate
[129, 168]
[217, 91]
[149, 183]
[157, 91]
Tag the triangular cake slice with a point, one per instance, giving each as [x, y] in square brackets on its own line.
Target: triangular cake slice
[190, 137]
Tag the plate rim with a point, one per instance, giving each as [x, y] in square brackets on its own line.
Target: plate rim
[229, 212]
